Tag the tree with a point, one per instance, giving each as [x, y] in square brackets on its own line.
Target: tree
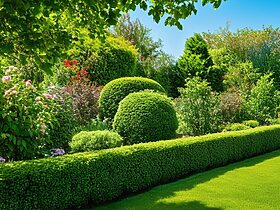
[139, 35]
[197, 62]
[44, 29]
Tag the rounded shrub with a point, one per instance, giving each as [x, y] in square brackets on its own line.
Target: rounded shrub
[118, 89]
[145, 116]
[95, 140]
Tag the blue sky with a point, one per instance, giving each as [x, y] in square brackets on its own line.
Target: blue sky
[238, 13]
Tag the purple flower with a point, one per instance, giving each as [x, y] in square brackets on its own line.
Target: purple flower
[58, 152]
[2, 160]
[6, 78]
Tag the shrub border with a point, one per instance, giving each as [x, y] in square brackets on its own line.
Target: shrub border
[96, 177]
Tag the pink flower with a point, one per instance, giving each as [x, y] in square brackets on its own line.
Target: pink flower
[28, 83]
[48, 96]
[6, 78]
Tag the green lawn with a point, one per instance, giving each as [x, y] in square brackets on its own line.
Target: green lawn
[250, 184]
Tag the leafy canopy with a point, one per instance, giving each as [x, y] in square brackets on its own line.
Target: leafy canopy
[43, 30]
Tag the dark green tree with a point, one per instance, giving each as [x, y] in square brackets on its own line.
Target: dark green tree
[197, 62]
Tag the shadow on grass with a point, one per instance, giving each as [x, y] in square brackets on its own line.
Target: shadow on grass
[153, 198]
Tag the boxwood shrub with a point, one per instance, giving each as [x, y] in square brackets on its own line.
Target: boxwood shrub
[145, 116]
[118, 89]
[72, 181]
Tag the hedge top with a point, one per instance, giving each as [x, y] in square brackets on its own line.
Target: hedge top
[116, 90]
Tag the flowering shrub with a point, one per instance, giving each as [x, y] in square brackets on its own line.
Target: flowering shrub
[84, 92]
[2, 160]
[57, 152]
[25, 117]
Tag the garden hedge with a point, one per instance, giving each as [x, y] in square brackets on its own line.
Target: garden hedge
[118, 89]
[74, 180]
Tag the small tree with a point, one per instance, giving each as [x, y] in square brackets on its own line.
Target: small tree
[197, 61]
[197, 108]
[263, 102]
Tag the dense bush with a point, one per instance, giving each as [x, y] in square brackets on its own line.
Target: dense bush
[109, 60]
[95, 140]
[62, 132]
[145, 116]
[263, 102]
[231, 106]
[198, 108]
[164, 70]
[118, 89]
[74, 180]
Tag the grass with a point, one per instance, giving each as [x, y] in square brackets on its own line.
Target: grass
[250, 184]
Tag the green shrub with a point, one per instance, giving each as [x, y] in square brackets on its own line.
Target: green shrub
[198, 108]
[251, 123]
[114, 58]
[145, 116]
[101, 176]
[231, 106]
[95, 140]
[118, 89]
[236, 127]
[263, 102]
[274, 121]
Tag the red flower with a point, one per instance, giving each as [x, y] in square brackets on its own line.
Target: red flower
[74, 62]
[223, 76]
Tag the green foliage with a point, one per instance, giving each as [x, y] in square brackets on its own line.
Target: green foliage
[263, 101]
[274, 121]
[251, 123]
[145, 116]
[164, 70]
[114, 58]
[258, 47]
[197, 61]
[93, 125]
[95, 177]
[62, 132]
[197, 108]
[26, 116]
[236, 127]
[95, 140]
[138, 35]
[118, 89]
[242, 76]
[52, 26]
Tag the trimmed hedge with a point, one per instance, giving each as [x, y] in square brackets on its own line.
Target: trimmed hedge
[145, 116]
[118, 89]
[75, 180]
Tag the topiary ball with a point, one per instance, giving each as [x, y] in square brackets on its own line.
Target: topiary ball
[95, 140]
[118, 89]
[145, 116]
